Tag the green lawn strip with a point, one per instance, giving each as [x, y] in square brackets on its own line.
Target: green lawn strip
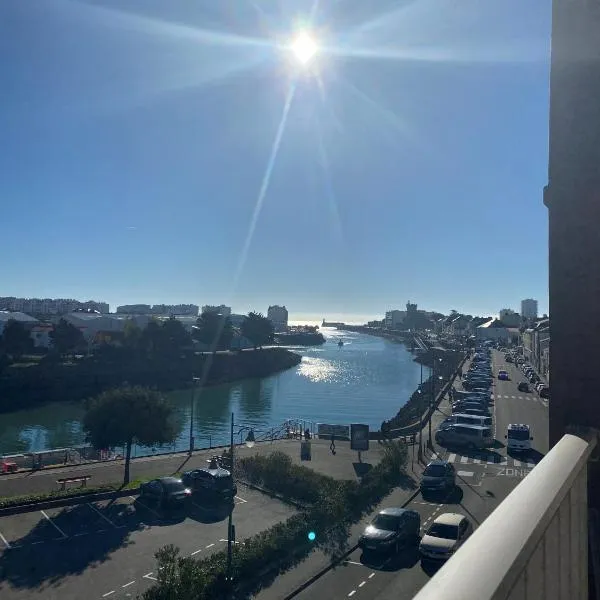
[25, 499]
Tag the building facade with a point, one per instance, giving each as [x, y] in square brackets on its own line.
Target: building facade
[278, 315]
[220, 310]
[529, 308]
[50, 306]
[394, 319]
[509, 317]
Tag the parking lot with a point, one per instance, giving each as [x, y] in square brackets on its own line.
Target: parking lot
[106, 549]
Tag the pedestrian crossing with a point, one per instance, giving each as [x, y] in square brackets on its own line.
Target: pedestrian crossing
[490, 459]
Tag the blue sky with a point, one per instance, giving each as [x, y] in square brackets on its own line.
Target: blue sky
[176, 152]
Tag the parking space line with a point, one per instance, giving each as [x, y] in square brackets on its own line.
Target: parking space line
[371, 575]
[361, 584]
[146, 507]
[149, 576]
[464, 459]
[351, 593]
[241, 499]
[8, 546]
[353, 562]
[55, 525]
[104, 517]
[108, 593]
[209, 546]
[195, 552]
[128, 584]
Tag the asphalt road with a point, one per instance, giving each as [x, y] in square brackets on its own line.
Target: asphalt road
[484, 480]
[106, 549]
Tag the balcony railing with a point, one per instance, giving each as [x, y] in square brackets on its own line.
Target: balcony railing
[535, 544]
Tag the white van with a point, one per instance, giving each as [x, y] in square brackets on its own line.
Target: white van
[466, 419]
[518, 438]
[471, 436]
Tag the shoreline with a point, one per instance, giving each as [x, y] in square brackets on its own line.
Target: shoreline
[39, 385]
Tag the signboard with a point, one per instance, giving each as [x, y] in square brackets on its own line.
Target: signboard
[305, 451]
[359, 437]
[339, 431]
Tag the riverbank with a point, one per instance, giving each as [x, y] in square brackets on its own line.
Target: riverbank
[46, 382]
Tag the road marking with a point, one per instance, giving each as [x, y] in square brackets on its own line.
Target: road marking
[145, 506]
[477, 461]
[241, 499]
[81, 533]
[351, 593]
[451, 457]
[55, 525]
[465, 473]
[464, 459]
[128, 584]
[516, 463]
[5, 541]
[97, 511]
[108, 593]
[195, 552]
[361, 584]
[352, 562]
[149, 576]
[371, 575]
[210, 546]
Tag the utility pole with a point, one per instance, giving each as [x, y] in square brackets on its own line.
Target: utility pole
[194, 379]
[420, 456]
[230, 521]
[429, 442]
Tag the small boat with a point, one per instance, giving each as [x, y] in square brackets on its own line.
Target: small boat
[340, 344]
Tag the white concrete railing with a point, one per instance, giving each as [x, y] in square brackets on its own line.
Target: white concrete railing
[535, 544]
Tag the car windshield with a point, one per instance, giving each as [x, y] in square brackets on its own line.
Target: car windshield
[441, 530]
[518, 434]
[434, 471]
[224, 483]
[387, 522]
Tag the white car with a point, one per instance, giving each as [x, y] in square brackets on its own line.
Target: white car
[445, 536]
[518, 437]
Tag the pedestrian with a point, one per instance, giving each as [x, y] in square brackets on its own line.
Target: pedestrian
[332, 445]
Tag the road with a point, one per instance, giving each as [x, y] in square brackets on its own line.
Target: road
[484, 480]
[106, 549]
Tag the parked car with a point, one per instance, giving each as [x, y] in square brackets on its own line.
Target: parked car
[523, 387]
[165, 492]
[391, 530]
[544, 392]
[438, 476]
[444, 536]
[471, 436]
[212, 483]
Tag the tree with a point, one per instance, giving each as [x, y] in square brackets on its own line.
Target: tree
[174, 335]
[16, 340]
[214, 330]
[132, 335]
[258, 329]
[66, 337]
[126, 415]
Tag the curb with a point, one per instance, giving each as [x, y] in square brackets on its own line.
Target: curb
[336, 562]
[266, 492]
[68, 501]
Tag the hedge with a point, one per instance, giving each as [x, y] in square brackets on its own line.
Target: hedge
[336, 505]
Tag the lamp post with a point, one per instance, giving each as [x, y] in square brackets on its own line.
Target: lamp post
[194, 380]
[432, 398]
[250, 440]
[420, 392]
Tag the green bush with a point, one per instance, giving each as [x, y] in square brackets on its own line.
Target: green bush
[334, 506]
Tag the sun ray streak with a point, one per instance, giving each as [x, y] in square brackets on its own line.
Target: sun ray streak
[264, 186]
[331, 198]
[152, 26]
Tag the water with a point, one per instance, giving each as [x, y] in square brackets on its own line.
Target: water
[367, 380]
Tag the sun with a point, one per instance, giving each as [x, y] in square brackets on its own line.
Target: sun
[304, 48]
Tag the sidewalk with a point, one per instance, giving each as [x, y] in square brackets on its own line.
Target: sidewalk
[344, 465]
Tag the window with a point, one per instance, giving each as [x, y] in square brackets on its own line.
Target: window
[441, 530]
[434, 471]
[518, 434]
[386, 522]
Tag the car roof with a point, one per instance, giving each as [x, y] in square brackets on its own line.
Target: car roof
[169, 479]
[472, 416]
[518, 426]
[395, 512]
[449, 519]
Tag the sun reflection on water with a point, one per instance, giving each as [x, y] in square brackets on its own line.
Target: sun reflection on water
[317, 369]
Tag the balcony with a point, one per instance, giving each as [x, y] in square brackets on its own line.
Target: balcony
[535, 544]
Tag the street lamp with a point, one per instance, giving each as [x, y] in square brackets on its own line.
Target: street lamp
[250, 441]
[431, 397]
[194, 380]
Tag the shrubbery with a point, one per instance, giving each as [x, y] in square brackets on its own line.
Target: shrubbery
[332, 507]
